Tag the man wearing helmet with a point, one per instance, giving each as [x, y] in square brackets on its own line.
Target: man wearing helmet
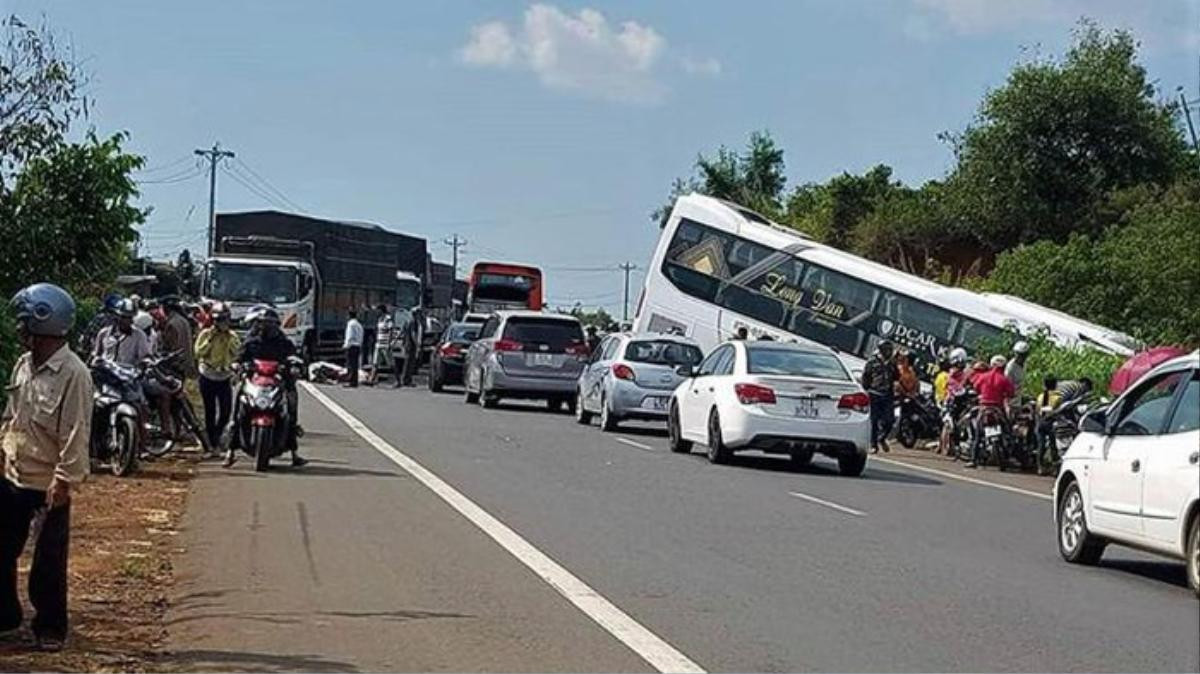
[995, 391]
[44, 434]
[266, 341]
[119, 342]
[1015, 370]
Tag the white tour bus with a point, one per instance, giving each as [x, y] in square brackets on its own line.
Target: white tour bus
[719, 266]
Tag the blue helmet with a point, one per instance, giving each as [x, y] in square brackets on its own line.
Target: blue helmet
[111, 301]
[44, 309]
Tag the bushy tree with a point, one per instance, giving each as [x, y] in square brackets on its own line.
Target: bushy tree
[1141, 276]
[1058, 137]
[754, 178]
[70, 217]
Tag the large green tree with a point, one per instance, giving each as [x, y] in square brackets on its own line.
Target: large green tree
[70, 217]
[1058, 137]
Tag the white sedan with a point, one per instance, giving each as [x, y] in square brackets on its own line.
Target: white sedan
[1132, 476]
[773, 397]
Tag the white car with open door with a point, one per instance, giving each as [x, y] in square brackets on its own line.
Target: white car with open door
[1132, 475]
[774, 397]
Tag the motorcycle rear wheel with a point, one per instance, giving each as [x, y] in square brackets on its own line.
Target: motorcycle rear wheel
[125, 452]
[184, 413]
[906, 433]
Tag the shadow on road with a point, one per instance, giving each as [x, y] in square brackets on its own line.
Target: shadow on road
[210, 660]
[644, 431]
[1172, 573]
[819, 468]
[315, 469]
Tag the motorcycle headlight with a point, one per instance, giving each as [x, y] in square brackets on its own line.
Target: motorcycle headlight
[264, 401]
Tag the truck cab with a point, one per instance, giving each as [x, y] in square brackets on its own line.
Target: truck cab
[242, 282]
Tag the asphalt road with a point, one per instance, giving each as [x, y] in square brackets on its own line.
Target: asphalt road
[352, 564]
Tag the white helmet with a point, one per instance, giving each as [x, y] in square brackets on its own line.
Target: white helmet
[1021, 347]
[999, 361]
[143, 321]
[958, 356]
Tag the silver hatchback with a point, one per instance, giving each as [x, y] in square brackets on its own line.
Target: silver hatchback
[527, 355]
[632, 376]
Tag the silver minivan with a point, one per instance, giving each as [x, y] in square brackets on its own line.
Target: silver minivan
[632, 376]
[526, 355]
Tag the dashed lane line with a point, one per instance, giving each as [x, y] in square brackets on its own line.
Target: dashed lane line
[634, 443]
[827, 504]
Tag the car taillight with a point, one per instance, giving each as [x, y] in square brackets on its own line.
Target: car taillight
[578, 348]
[622, 371]
[291, 321]
[508, 345]
[753, 394]
[859, 402]
[450, 350]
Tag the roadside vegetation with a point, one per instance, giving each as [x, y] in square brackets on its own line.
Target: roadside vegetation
[1073, 187]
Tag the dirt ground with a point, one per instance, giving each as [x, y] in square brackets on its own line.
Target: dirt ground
[123, 537]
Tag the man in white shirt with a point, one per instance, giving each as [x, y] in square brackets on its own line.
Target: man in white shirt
[353, 345]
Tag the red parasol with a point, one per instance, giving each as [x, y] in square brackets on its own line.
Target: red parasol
[1139, 364]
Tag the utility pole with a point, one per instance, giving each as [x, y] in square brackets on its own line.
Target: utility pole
[627, 267]
[455, 242]
[1187, 114]
[214, 156]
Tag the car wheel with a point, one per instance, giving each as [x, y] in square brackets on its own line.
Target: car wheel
[802, 458]
[717, 451]
[1193, 553]
[570, 403]
[581, 414]
[554, 404]
[435, 379]
[608, 420]
[468, 397]
[852, 465]
[1075, 543]
[675, 432]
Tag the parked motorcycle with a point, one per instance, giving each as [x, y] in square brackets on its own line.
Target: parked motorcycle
[183, 415]
[117, 394]
[960, 414]
[266, 415]
[1057, 429]
[1022, 445]
[919, 419]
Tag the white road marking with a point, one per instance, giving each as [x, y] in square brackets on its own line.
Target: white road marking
[964, 478]
[634, 443]
[827, 504]
[650, 647]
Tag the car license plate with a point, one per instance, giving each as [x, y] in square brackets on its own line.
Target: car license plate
[991, 431]
[657, 403]
[540, 359]
[806, 409]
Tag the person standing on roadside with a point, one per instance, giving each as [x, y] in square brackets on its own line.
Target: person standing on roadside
[44, 434]
[383, 358]
[1015, 370]
[352, 344]
[175, 338]
[217, 348]
[879, 379]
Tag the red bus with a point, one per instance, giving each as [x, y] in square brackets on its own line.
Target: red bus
[502, 285]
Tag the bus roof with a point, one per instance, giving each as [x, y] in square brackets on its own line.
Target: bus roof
[484, 265]
[997, 309]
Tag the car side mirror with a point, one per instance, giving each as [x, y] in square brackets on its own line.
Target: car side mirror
[1094, 422]
[685, 371]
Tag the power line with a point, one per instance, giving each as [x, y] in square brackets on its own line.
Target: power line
[194, 172]
[164, 167]
[251, 188]
[267, 184]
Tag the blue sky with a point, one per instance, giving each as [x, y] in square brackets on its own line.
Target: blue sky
[548, 132]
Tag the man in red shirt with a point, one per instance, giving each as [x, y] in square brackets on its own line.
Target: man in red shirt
[995, 390]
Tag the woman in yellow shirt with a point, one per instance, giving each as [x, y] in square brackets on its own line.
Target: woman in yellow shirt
[216, 351]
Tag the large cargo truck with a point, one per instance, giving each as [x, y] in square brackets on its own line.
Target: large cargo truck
[313, 271]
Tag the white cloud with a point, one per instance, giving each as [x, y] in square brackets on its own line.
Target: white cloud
[704, 66]
[1158, 24]
[490, 45]
[584, 53]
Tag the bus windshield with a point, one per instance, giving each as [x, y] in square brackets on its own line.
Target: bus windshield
[503, 287]
[239, 282]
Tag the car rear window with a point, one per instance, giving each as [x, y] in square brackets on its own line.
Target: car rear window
[462, 333]
[795, 363]
[555, 334]
[662, 352]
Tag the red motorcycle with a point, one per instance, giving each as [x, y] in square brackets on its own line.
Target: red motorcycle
[266, 418]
